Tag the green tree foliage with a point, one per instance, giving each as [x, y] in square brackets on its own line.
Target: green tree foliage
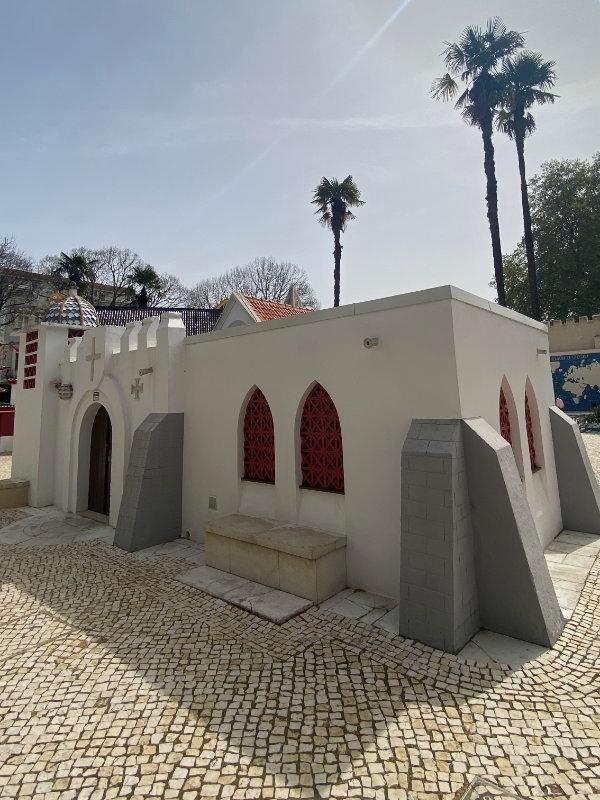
[565, 211]
[147, 284]
[76, 267]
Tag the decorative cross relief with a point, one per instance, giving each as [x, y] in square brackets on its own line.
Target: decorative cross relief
[137, 388]
[93, 357]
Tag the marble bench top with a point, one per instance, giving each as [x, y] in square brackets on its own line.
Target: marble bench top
[12, 483]
[292, 539]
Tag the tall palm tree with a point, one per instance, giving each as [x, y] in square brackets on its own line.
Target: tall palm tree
[525, 79]
[473, 63]
[76, 267]
[149, 283]
[334, 199]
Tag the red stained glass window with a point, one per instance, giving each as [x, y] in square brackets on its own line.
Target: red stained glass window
[504, 418]
[321, 443]
[530, 437]
[30, 370]
[259, 440]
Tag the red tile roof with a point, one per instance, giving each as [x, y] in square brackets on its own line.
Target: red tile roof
[268, 309]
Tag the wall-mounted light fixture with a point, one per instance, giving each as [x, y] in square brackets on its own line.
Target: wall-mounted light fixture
[370, 342]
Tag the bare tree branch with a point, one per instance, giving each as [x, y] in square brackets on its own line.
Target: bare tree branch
[264, 277]
[17, 289]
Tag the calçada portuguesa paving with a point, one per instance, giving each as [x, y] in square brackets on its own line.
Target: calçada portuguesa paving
[117, 681]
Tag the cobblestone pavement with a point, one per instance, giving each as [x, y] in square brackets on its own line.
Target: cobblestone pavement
[116, 681]
[5, 465]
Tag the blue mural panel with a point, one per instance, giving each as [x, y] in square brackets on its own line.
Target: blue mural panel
[577, 381]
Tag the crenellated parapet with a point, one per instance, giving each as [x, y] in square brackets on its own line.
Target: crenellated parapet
[580, 334]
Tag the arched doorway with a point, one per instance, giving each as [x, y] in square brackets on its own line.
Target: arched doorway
[100, 462]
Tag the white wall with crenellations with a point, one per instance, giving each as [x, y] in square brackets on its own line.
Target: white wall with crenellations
[439, 354]
[574, 335]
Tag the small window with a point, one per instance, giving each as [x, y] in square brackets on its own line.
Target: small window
[504, 418]
[321, 443]
[530, 436]
[259, 440]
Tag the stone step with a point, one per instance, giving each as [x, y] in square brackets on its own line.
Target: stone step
[270, 604]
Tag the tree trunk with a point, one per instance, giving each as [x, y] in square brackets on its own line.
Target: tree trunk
[534, 295]
[337, 257]
[492, 206]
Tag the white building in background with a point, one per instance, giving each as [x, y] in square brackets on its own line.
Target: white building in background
[348, 420]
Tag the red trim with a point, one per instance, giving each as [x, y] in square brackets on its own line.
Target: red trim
[321, 443]
[504, 418]
[30, 367]
[530, 436]
[7, 420]
[259, 440]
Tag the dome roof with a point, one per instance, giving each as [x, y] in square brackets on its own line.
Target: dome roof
[73, 310]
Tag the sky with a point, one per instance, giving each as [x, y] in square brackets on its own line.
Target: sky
[196, 132]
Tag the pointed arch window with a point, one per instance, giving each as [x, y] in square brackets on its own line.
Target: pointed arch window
[530, 435]
[504, 418]
[259, 440]
[321, 443]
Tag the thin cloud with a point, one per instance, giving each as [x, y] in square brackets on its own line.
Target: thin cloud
[391, 122]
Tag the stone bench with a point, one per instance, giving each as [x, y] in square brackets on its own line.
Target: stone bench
[302, 561]
[13, 493]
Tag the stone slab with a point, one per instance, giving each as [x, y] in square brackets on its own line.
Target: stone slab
[577, 485]
[270, 604]
[239, 526]
[295, 540]
[150, 511]
[13, 493]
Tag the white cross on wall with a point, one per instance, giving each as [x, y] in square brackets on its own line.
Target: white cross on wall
[92, 358]
[137, 388]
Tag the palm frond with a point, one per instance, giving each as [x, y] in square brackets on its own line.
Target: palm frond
[444, 88]
[530, 125]
[505, 123]
[333, 199]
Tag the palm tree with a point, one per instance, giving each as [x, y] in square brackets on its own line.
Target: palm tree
[76, 268]
[149, 283]
[334, 199]
[473, 62]
[525, 79]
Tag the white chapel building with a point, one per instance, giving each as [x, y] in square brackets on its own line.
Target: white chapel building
[416, 435]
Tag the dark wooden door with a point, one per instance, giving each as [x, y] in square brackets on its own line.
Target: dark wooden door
[100, 457]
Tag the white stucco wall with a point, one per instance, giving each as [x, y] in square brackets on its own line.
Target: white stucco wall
[234, 313]
[495, 345]
[377, 393]
[575, 335]
[442, 354]
[414, 373]
[60, 430]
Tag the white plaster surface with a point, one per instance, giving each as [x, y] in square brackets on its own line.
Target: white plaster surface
[442, 354]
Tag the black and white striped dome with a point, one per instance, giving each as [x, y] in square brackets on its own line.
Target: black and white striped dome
[73, 310]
